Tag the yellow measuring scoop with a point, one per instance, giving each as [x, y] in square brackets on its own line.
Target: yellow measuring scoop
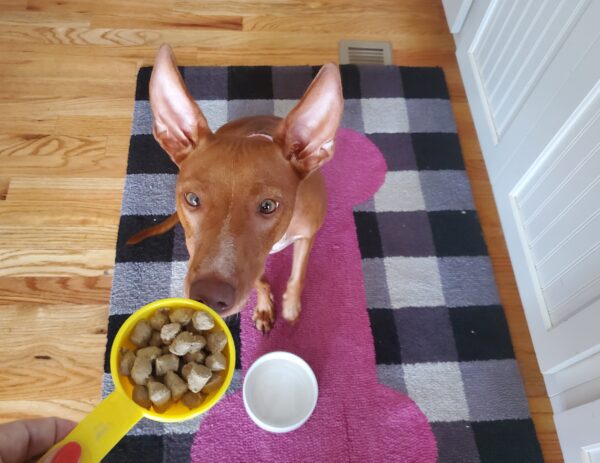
[104, 427]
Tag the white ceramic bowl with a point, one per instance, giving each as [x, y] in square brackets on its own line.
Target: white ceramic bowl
[280, 392]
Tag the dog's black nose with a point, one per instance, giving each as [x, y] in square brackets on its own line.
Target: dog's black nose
[216, 294]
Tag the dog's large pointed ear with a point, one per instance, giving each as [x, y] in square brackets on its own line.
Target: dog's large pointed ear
[307, 134]
[179, 125]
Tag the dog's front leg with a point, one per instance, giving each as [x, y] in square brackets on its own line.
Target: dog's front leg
[293, 292]
[263, 315]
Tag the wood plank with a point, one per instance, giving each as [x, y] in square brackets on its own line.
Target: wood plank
[27, 38]
[66, 213]
[70, 409]
[76, 238]
[42, 19]
[13, 88]
[79, 36]
[4, 185]
[131, 9]
[27, 124]
[46, 151]
[84, 106]
[19, 59]
[55, 263]
[38, 155]
[297, 8]
[36, 291]
[90, 126]
[21, 188]
[179, 20]
[371, 23]
[51, 362]
[13, 5]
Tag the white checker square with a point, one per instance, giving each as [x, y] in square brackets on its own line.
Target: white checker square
[400, 192]
[178, 273]
[438, 390]
[413, 282]
[385, 115]
[283, 107]
[215, 112]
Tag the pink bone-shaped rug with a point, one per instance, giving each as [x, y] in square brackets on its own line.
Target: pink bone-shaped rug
[356, 418]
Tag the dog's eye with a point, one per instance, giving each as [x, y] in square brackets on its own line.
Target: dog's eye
[192, 199]
[268, 206]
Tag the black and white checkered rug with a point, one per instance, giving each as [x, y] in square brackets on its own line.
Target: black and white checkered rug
[439, 331]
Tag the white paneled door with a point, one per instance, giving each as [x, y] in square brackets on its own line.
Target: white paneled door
[531, 70]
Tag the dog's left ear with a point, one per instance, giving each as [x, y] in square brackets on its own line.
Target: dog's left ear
[307, 134]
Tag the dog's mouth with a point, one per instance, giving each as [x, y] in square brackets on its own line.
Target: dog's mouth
[220, 306]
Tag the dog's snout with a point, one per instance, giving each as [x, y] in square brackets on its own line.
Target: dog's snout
[215, 293]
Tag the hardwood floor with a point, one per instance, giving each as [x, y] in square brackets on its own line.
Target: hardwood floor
[67, 78]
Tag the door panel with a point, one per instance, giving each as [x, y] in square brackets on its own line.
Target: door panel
[532, 75]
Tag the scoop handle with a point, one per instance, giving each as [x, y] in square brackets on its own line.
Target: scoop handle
[104, 427]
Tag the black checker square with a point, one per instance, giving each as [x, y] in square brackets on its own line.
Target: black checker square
[385, 336]
[457, 233]
[369, 240]
[147, 157]
[233, 323]
[142, 87]
[350, 81]
[115, 321]
[507, 441]
[146, 448]
[437, 151]
[250, 83]
[421, 82]
[481, 333]
[157, 248]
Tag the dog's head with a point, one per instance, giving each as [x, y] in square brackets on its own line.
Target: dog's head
[236, 191]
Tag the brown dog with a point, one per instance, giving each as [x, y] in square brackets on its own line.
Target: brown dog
[250, 189]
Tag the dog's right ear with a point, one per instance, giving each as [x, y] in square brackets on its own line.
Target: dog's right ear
[179, 125]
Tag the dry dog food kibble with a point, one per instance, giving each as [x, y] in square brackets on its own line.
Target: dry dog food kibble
[165, 363]
[197, 357]
[176, 385]
[202, 321]
[181, 316]
[197, 376]
[127, 359]
[158, 319]
[192, 399]
[141, 333]
[216, 341]
[178, 358]
[169, 331]
[140, 396]
[186, 342]
[141, 370]
[216, 362]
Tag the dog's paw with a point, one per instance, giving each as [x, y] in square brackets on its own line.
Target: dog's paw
[291, 307]
[263, 319]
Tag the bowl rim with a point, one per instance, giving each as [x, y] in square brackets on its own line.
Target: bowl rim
[144, 313]
[290, 357]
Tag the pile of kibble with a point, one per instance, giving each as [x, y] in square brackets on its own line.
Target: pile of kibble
[177, 358]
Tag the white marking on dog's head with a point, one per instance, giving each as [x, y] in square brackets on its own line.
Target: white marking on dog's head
[225, 256]
[261, 135]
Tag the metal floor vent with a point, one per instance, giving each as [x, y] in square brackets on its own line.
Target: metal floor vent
[365, 52]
